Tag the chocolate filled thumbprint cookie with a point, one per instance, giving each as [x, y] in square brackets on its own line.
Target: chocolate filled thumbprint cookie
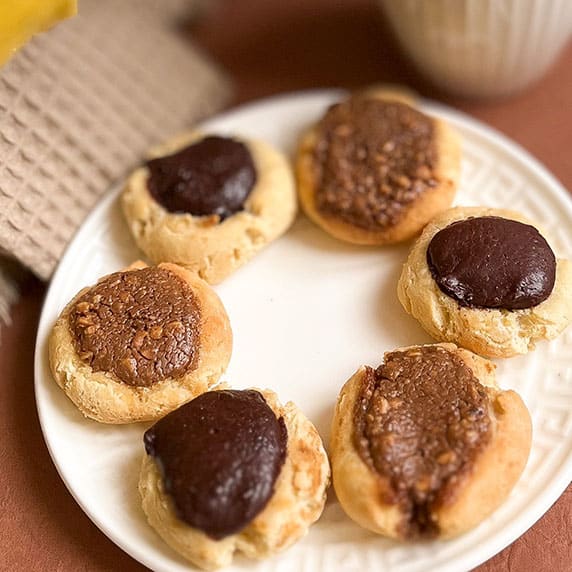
[139, 343]
[488, 280]
[209, 203]
[233, 471]
[426, 445]
[375, 169]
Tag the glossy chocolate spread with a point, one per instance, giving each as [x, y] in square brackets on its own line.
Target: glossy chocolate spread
[213, 176]
[492, 262]
[220, 456]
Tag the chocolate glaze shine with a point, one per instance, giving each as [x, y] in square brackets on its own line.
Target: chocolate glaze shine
[219, 455]
[420, 422]
[213, 176]
[142, 326]
[492, 262]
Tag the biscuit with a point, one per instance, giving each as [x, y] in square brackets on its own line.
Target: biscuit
[140, 343]
[511, 327]
[245, 475]
[426, 445]
[225, 199]
[374, 170]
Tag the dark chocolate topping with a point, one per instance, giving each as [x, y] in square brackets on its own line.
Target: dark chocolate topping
[421, 420]
[143, 326]
[492, 262]
[373, 158]
[220, 456]
[211, 177]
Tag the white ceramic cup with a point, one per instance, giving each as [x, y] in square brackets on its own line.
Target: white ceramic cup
[481, 47]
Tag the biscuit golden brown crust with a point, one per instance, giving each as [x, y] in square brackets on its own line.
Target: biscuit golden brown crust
[99, 395]
[202, 244]
[361, 491]
[415, 215]
[488, 332]
[297, 502]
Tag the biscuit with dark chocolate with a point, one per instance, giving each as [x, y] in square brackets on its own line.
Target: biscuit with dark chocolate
[209, 203]
[233, 471]
[139, 343]
[488, 280]
[426, 445]
[375, 169]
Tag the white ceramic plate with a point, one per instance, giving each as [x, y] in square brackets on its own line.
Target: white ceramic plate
[306, 313]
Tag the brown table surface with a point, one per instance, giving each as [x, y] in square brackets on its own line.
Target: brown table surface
[268, 47]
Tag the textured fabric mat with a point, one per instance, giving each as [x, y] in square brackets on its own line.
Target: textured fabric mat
[80, 104]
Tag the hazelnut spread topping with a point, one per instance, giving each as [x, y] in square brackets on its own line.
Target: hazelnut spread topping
[420, 422]
[219, 456]
[211, 177]
[143, 326]
[373, 158]
[492, 262]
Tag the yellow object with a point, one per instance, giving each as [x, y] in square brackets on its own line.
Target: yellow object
[21, 19]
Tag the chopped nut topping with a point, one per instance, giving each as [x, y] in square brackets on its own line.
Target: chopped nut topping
[142, 326]
[373, 158]
[421, 420]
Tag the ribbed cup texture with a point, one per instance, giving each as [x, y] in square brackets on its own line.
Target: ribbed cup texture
[481, 47]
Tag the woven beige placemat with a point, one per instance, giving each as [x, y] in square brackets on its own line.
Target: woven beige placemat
[80, 104]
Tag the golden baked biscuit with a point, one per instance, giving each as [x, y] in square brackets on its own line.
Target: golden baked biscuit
[427, 445]
[486, 279]
[375, 169]
[209, 203]
[139, 343]
[233, 472]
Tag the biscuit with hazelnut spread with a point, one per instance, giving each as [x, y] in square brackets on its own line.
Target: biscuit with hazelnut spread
[426, 445]
[209, 203]
[233, 471]
[375, 169]
[139, 343]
